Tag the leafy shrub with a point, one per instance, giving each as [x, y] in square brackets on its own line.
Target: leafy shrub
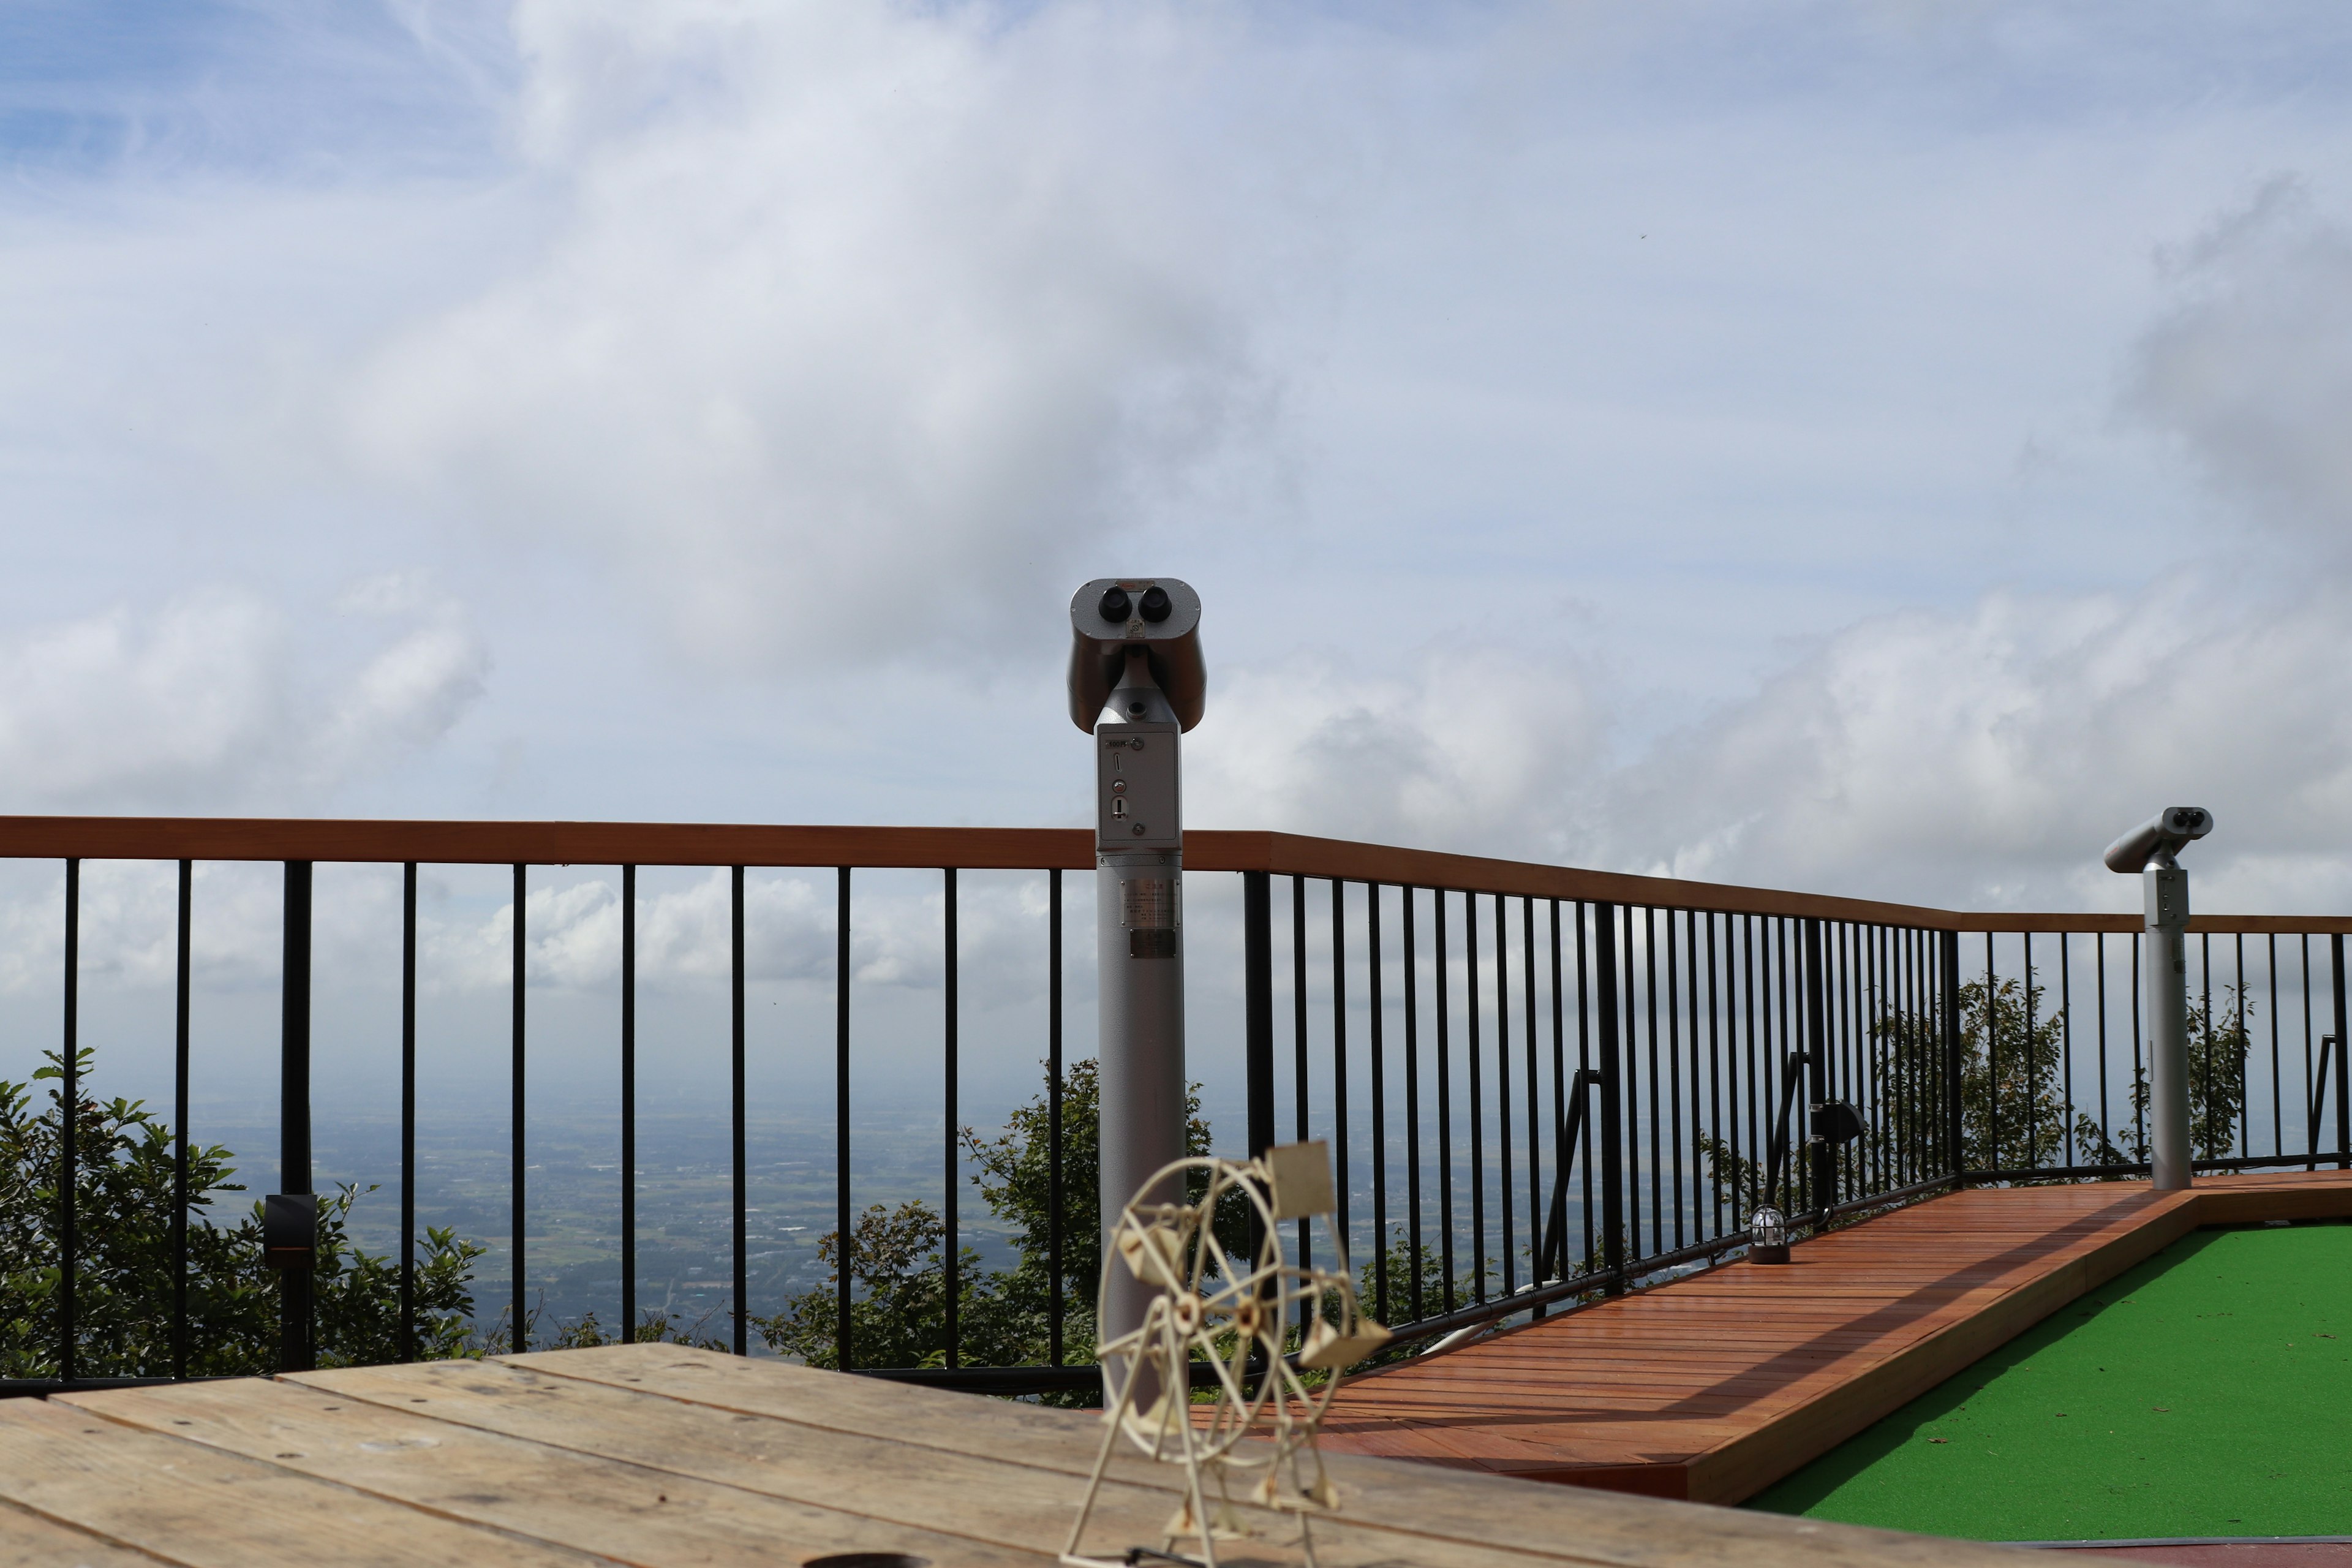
[124, 1275]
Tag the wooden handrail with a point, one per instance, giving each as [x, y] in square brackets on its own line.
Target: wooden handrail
[995, 848]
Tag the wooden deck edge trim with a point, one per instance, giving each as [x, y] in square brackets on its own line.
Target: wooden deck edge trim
[1737, 1471]
[453, 843]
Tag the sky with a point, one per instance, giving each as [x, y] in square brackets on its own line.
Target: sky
[1879, 448]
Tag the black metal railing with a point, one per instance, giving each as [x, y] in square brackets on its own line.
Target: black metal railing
[1544, 1085]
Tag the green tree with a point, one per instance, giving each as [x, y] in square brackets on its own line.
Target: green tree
[2219, 1045]
[123, 1287]
[2014, 1112]
[1005, 1318]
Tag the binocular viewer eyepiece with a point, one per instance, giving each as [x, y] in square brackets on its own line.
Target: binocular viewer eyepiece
[2159, 839]
[1154, 605]
[1157, 618]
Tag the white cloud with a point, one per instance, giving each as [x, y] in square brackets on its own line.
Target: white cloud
[2252, 368]
[1976, 757]
[212, 703]
[1987, 756]
[851, 325]
[1467, 747]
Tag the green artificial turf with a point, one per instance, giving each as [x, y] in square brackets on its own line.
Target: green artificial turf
[2207, 1391]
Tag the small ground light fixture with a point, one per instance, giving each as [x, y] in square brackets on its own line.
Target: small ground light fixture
[1768, 1236]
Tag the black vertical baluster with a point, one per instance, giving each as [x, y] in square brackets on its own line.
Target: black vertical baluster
[522, 1338]
[2203, 1109]
[1823, 1179]
[1299, 1037]
[2032, 1055]
[180, 1125]
[1908, 1163]
[1853, 953]
[1380, 1152]
[1948, 992]
[1534, 1086]
[2311, 1143]
[1560, 1153]
[408, 1111]
[1862, 975]
[1747, 958]
[1257, 1026]
[951, 1175]
[2245, 1097]
[1584, 1059]
[1772, 1048]
[69, 1139]
[2099, 961]
[1340, 1064]
[2139, 1113]
[1714, 1066]
[2343, 1045]
[1650, 1006]
[1790, 981]
[1503, 1089]
[1891, 1051]
[1904, 1071]
[1920, 959]
[295, 1350]
[1412, 1096]
[1992, 1057]
[1910, 949]
[1054, 1093]
[844, 1348]
[1445, 1100]
[1674, 1066]
[629, 1103]
[1613, 1107]
[737, 1113]
[1477, 1100]
[1697, 1121]
[1541, 1220]
[2066, 1038]
[2278, 1123]
[1877, 999]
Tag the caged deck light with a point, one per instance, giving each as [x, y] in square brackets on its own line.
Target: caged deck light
[1768, 1236]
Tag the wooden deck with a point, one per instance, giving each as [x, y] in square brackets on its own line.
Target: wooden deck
[658, 1456]
[1715, 1387]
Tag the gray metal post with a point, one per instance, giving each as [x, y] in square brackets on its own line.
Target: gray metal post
[2150, 851]
[1136, 683]
[1139, 950]
[2167, 970]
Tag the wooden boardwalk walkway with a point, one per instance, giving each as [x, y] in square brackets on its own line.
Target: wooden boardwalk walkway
[662, 1457]
[1715, 1387]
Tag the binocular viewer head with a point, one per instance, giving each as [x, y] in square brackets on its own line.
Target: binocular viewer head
[1158, 618]
[2159, 838]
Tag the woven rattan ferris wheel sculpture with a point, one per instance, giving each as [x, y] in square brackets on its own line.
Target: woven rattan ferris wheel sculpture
[1232, 1318]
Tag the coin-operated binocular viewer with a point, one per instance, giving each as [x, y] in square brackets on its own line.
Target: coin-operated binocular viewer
[2149, 849]
[1136, 683]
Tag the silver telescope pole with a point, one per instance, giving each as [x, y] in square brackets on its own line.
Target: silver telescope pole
[2167, 887]
[2150, 851]
[1135, 684]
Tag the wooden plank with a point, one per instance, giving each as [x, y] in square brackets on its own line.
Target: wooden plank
[184, 1503]
[565, 1498]
[1408, 1498]
[1732, 1378]
[976, 1495]
[30, 1540]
